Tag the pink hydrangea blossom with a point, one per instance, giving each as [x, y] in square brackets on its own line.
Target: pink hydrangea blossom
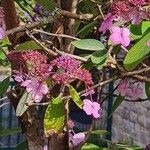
[2, 33]
[137, 2]
[130, 89]
[121, 8]
[36, 88]
[137, 15]
[45, 147]
[120, 36]
[76, 138]
[107, 23]
[91, 108]
[135, 92]
[123, 87]
[69, 69]
[89, 92]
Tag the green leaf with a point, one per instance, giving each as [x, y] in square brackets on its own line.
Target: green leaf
[99, 132]
[99, 56]
[137, 31]
[54, 116]
[86, 29]
[21, 146]
[5, 42]
[23, 47]
[22, 107]
[147, 89]
[101, 64]
[90, 146]
[137, 53]
[89, 44]
[47, 4]
[117, 103]
[6, 132]
[75, 96]
[4, 85]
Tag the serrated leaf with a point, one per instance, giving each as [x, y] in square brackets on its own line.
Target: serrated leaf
[7, 132]
[75, 97]
[98, 56]
[22, 107]
[89, 44]
[29, 45]
[116, 104]
[137, 53]
[147, 89]
[4, 85]
[47, 4]
[54, 116]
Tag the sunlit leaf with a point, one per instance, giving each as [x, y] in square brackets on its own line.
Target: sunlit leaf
[88, 44]
[54, 116]
[75, 96]
[137, 53]
[90, 146]
[29, 45]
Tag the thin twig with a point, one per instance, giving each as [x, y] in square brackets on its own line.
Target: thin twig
[57, 35]
[51, 52]
[43, 21]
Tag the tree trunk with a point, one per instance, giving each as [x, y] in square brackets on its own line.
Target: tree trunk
[29, 120]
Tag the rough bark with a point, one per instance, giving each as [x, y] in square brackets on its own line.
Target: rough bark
[29, 120]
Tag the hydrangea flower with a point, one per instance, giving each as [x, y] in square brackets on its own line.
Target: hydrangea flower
[107, 23]
[136, 16]
[76, 138]
[91, 108]
[129, 89]
[69, 69]
[123, 87]
[89, 92]
[36, 88]
[120, 36]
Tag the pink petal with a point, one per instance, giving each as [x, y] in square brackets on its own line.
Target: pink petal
[96, 106]
[125, 41]
[26, 83]
[2, 33]
[125, 32]
[78, 138]
[44, 89]
[96, 114]
[115, 30]
[87, 107]
[115, 38]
